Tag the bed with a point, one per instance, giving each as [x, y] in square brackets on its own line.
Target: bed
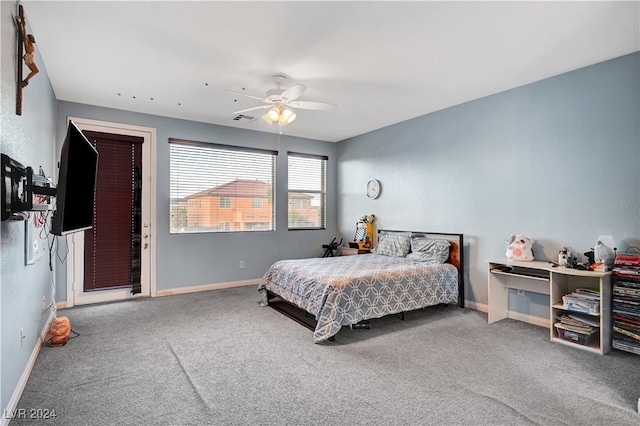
[404, 272]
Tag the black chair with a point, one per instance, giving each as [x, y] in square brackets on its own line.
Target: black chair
[329, 248]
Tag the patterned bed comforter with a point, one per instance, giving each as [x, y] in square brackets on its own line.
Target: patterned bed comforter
[345, 290]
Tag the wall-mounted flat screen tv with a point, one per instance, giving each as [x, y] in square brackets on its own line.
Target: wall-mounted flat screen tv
[76, 187]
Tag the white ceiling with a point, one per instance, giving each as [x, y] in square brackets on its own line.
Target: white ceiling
[380, 62]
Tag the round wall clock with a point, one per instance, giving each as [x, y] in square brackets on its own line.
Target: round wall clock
[373, 188]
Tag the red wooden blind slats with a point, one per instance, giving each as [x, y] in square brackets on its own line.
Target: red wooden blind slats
[108, 245]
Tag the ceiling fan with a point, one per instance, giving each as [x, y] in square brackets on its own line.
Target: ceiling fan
[280, 102]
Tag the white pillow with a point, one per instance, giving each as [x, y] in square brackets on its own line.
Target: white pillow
[396, 244]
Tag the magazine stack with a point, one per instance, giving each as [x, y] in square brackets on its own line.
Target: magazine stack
[626, 303]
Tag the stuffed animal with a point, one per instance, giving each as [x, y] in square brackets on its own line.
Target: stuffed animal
[368, 218]
[520, 248]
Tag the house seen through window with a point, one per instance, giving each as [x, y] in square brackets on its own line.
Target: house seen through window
[307, 191]
[220, 188]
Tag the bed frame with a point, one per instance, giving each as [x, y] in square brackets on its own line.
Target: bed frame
[456, 258]
[456, 255]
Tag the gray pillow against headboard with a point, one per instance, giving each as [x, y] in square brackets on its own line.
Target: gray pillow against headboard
[429, 250]
[396, 244]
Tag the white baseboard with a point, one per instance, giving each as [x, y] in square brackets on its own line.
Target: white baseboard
[207, 287]
[17, 393]
[482, 307]
[529, 319]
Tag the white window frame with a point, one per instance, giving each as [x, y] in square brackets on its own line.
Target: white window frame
[295, 186]
[197, 167]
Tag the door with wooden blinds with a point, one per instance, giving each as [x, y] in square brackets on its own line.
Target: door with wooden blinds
[112, 251]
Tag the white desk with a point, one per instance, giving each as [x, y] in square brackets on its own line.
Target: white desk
[542, 277]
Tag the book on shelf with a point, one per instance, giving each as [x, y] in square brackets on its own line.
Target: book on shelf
[626, 345]
[623, 316]
[583, 320]
[626, 307]
[627, 259]
[627, 284]
[632, 317]
[588, 293]
[628, 270]
[635, 328]
[630, 302]
[577, 320]
[577, 329]
[620, 291]
[626, 303]
[629, 273]
[624, 329]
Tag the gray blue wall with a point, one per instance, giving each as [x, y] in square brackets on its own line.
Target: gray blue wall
[558, 160]
[29, 139]
[186, 260]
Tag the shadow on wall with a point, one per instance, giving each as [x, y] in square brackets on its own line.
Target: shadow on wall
[538, 251]
[628, 245]
[466, 274]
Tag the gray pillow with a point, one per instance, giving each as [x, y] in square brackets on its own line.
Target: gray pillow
[429, 250]
[396, 244]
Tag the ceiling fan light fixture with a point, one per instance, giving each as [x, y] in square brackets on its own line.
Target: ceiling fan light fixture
[267, 119]
[278, 99]
[273, 114]
[281, 114]
[287, 116]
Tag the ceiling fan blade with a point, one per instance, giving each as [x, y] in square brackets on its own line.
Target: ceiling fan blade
[293, 92]
[251, 109]
[244, 94]
[311, 105]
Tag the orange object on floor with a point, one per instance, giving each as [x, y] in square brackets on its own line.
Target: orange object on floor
[60, 328]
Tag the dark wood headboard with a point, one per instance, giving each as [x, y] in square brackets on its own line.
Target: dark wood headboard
[456, 254]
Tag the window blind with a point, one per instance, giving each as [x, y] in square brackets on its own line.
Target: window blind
[215, 188]
[112, 247]
[307, 191]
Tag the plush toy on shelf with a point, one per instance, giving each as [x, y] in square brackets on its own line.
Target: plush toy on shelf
[368, 218]
[520, 248]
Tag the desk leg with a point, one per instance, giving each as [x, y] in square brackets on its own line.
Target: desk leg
[498, 298]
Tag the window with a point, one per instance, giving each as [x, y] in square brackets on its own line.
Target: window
[307, 191]
[213, 187]
[299, 204]
[225, 202]
[257, 203]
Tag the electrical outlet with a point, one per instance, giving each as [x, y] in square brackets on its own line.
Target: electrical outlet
[22, 336]
[34, 246]
[242, 264]
[44, 303]
[520, 292]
